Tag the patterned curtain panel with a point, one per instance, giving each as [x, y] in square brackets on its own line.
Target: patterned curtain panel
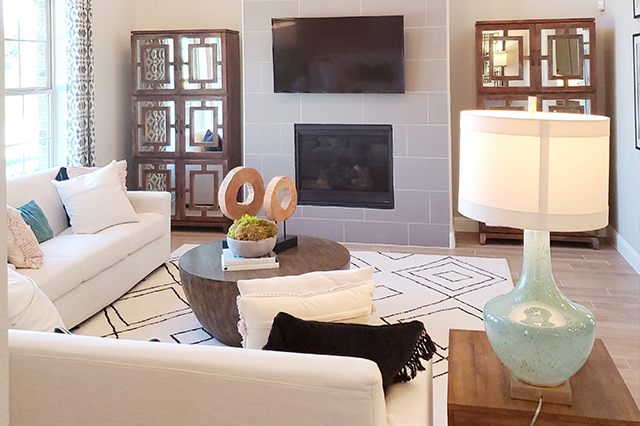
[81, 131]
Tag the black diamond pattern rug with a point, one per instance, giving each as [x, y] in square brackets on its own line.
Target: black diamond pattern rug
[443, 292]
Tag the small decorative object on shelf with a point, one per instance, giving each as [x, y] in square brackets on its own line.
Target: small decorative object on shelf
[541, 172]
[233, 262]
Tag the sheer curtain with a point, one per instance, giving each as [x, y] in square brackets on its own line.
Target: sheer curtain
[80, 89]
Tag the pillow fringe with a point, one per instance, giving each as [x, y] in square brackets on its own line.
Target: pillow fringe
[425, 348]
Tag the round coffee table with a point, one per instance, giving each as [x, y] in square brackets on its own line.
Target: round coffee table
[212, 292]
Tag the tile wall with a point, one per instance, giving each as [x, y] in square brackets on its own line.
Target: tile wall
[419, 117]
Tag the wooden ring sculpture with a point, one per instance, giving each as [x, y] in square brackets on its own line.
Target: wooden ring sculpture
[228, 193]
[272, 207]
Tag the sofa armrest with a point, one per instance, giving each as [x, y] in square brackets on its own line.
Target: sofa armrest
[65, 380]
[151, 202]
[411, 403]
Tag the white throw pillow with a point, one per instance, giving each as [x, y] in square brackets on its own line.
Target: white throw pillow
[95, 201]
[305, 283]
[121, 167]
[348, 303]
[29, 308]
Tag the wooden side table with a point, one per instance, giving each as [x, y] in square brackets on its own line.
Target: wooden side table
[479, 390]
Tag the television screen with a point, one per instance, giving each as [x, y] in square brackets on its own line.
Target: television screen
[361, 54]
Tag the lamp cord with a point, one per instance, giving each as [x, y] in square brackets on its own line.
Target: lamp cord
[535, 416]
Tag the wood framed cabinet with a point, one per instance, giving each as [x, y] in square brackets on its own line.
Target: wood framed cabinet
[553, 59]
[186, 118]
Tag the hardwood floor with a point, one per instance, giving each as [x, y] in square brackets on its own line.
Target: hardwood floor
[601, 280]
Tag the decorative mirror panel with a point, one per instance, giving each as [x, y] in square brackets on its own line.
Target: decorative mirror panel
[506, 104]
[506, 58]
[565, 57]
[201, 189]
[569, 105]
[155, 64]
[159, 176]
[155, 126]
[201, 63]
[204, 125]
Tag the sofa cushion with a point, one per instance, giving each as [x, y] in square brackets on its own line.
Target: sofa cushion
[347, 303]
[94, 252]
[23, 250]
[397, 348]
[56, 276]
[95, 201]
[305, 283]
[149, 227]
[29, 308]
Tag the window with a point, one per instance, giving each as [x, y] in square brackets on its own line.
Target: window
[28, 85]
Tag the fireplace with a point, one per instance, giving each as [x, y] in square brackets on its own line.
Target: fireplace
[344, 165]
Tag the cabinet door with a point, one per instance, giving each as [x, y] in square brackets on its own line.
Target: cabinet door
[157, 175]
[154, 64]
[202, 62]
[567, 56]
[155, 126]
[201, 180]
[205, 126]
[504, 59]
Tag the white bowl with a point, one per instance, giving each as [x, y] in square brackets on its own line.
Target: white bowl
[252, 248]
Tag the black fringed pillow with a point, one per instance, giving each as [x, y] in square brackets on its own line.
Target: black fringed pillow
[396, 348]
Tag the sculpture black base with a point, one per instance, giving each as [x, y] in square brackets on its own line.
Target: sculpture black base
[283, 244]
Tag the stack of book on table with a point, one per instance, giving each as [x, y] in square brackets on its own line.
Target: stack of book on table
[233, 262]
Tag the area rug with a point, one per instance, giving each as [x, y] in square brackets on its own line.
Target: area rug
[443, 292]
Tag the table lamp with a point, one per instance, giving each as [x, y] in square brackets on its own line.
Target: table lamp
[539, 172]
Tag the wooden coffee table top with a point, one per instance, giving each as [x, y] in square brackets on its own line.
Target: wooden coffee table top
[479, 390]
[311, 254]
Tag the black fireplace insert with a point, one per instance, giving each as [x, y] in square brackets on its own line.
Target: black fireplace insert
[349, 165]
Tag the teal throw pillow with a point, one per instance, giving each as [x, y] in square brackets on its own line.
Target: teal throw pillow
[35, 218]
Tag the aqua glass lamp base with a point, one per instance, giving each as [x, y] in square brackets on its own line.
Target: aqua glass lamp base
[539, 335]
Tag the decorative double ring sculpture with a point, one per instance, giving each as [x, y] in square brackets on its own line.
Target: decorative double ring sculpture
[257, 197]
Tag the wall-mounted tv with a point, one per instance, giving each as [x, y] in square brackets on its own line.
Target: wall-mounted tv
[359, 54]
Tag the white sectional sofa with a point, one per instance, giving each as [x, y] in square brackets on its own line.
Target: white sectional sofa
[62, 380]
[83, 273]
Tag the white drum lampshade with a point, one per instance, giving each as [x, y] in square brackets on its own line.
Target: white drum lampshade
[547, 172]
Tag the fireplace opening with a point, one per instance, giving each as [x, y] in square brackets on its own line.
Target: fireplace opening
[348, 165]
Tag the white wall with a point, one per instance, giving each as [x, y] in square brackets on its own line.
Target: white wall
[113, 21]
[625, 158]
[4, 322]
[188, 14]
[465, 13]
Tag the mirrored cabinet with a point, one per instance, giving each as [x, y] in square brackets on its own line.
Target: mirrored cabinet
[554, 60]
[186, 118]
[551, 59]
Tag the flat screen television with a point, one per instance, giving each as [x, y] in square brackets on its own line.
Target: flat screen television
[359, 54]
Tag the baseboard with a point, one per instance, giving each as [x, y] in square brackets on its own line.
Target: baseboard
[463, 224]
[624, 248]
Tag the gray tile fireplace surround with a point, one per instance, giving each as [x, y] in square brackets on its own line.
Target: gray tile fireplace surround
[419, 118]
